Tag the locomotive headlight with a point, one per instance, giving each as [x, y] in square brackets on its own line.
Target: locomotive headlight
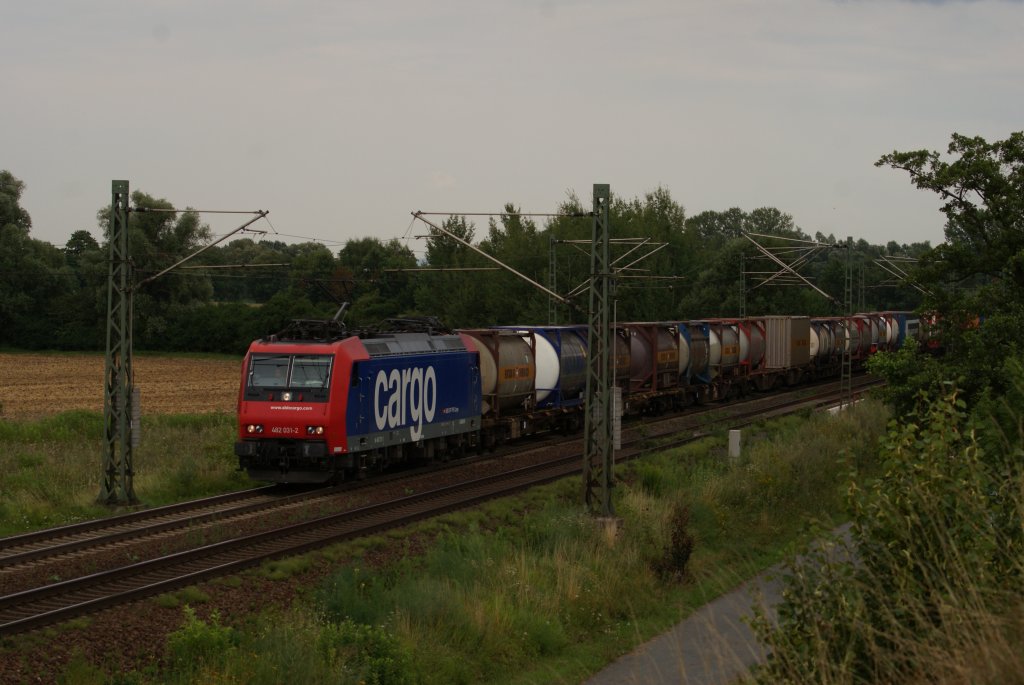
[319, 430]
[286, 396]
[314, 430]
[254, 428]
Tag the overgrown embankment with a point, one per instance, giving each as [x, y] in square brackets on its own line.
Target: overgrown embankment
[521, 590]
[528, 589]
[937, 595]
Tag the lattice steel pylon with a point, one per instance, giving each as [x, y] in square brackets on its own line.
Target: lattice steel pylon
[743, 285]
[121, 410]
[116, 486]
[598, 451]
[552, 282]
[846, 379]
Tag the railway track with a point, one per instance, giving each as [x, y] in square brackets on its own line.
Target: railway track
[55, 602]
[20, 549]
[52, 542]
[25, 548]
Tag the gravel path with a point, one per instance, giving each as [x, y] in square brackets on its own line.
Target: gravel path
[714, 645]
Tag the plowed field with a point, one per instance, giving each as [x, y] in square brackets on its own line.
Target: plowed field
[36, 385]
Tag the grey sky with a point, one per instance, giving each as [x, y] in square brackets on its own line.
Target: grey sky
[343, 117]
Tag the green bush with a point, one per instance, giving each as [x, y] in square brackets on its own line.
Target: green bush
[940, 557]
[907, 372]
[79, 671]
[673, 562]
[199, 644]
[352, 594]
[369, 653]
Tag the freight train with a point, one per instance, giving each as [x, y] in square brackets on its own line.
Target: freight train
[320, 403]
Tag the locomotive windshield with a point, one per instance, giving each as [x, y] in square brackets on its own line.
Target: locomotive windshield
[290, 371]
[311, 371]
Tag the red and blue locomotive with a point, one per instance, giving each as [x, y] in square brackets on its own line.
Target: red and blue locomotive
[320, 403]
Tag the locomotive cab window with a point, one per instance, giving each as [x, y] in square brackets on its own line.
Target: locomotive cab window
[311, 371]
[269, 371]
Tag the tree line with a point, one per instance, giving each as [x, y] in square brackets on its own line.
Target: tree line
[56, 297]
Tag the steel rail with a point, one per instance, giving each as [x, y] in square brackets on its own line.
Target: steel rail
[14, 545]
[152, 528]
[28, 547]
[49, 604]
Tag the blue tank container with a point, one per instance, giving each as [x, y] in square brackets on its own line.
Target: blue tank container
[560, 354]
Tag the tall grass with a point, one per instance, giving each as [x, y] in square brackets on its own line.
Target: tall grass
[529, 589]
[937, 591]
[52, 467]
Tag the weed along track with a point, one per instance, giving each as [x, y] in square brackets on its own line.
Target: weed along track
[329, 513]
[22, 549]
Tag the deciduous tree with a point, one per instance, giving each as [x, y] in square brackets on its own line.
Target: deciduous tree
[978, 273]
[11, 211]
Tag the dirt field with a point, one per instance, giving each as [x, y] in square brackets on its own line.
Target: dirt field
[36, 385]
